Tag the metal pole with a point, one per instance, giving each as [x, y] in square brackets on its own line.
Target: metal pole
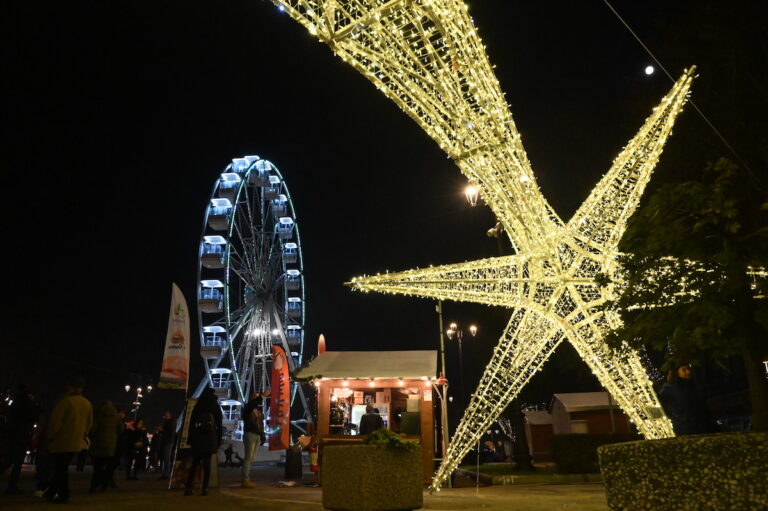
[442, 337]
[477, 479]
[444, 404]
[461, 369]
[610, 412]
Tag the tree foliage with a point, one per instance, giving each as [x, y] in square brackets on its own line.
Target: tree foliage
[689, 259]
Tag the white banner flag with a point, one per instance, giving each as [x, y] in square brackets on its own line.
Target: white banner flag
[175, 371]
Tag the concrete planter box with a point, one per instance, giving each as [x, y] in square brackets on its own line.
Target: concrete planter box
[699, 472]
[371, 478]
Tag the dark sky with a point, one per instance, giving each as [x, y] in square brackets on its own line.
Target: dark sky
[119, 116]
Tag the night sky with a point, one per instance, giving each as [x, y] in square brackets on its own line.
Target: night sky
[119, 116]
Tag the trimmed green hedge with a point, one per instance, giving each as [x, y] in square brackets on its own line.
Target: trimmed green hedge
[724, 471]
[577, 453]
[371, 478]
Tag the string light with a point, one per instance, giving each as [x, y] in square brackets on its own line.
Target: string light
[428, 58]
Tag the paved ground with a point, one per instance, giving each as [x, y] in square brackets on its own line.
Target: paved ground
[149, 494]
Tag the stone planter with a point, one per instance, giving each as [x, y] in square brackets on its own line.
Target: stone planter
[699, 472]
[371, 478]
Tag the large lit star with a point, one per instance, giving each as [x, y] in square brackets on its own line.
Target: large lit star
[427, 57]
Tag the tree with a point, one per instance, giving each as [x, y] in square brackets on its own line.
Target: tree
[691, 268]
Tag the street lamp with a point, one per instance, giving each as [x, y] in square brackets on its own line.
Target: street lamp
[471, 192]
[458, 333]
[137, 398]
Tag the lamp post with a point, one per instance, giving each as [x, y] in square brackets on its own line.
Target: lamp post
[137, 398]
[444, 394]
[455, 331]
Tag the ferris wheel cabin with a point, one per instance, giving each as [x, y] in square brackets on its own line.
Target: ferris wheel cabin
[273, 189]
[290, 253]
[215, 336]
[211, 299]
[280, 206]
[293, 280]
[294, 307]
[218, 214]
[213, 251]
[220, 377]
[284, 227]
[229, 183]
[259, 175]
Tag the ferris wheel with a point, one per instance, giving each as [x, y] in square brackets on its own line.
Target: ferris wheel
[250, 286]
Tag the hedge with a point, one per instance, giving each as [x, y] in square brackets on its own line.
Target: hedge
[577, 453]
[724, 471]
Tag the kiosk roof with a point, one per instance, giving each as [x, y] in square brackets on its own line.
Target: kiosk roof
[372, 364]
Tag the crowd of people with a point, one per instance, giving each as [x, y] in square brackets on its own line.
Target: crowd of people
[75, 431]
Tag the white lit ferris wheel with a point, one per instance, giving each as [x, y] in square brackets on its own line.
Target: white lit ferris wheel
[250, 286]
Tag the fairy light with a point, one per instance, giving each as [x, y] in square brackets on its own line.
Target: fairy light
[429, 60]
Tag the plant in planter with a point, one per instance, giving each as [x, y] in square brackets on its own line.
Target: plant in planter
[382, 474]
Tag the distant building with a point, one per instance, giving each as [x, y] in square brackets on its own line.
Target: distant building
[538, 431]
[578, 412]
[586, 412]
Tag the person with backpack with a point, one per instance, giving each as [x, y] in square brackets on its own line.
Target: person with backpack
[205, 434]
[253, 437]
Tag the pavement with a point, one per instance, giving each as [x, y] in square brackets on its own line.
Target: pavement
[150, 494]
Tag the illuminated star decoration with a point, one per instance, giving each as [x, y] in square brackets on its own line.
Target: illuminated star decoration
[428, 58]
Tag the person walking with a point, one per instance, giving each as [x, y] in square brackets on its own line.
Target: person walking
[22, 416]
[370, 421]
[70, 422]
[107, 427]
[204, 438]
[167, 441]
[253, 436]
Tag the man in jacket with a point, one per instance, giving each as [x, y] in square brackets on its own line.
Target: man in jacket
[70, 422]
[204, 437]
[370, 421]
[253, 437]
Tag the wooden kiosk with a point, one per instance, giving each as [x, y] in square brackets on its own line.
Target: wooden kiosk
[399, 384]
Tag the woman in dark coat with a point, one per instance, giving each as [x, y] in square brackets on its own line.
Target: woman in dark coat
[205, 432]
[685, 404]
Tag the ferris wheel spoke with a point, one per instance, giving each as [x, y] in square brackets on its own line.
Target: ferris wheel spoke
[248, 259]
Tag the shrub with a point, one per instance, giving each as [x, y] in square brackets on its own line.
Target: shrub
[577, 453]
[389, 438]
[701, 472]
